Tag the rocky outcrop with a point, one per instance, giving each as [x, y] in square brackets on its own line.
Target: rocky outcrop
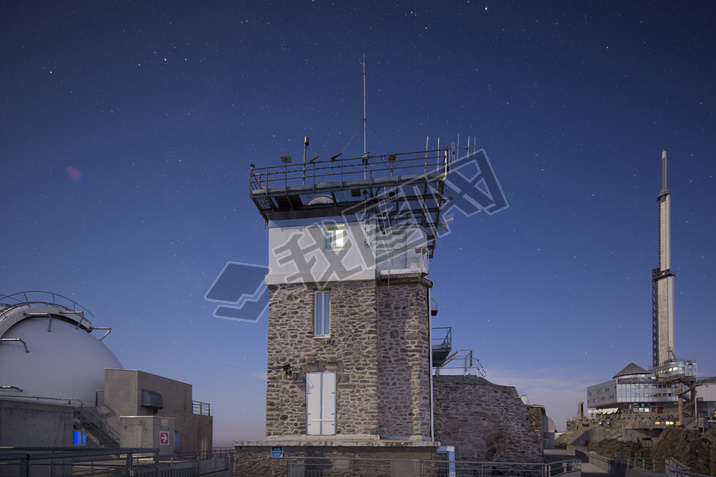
[691, 448]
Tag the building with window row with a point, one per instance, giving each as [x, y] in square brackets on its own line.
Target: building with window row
[637, 390]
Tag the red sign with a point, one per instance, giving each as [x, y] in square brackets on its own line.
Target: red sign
[163, 438]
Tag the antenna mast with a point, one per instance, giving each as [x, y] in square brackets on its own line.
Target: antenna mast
[365, 120]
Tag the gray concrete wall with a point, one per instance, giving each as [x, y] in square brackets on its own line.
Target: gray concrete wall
[26, 424]
[123, 389]
[484, 421]
[123, 395]
[144, 432]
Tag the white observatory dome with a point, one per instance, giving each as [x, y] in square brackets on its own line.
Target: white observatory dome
[48, 351]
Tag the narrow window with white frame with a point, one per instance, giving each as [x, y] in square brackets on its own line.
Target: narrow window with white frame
[322, 313]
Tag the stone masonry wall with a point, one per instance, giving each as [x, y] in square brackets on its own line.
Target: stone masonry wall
[350, 351]
[484, 421]
[403, 359]
[536, 413]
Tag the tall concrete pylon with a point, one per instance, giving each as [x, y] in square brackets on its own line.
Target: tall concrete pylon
[663, 323]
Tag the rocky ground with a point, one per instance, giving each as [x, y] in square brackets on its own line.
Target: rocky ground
[691, 448]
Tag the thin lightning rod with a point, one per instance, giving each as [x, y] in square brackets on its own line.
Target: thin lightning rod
[365, 118]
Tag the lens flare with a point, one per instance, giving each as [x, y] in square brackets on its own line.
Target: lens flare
[75, 174]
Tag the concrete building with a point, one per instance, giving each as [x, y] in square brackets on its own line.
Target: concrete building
[61, 386]
[349, 339]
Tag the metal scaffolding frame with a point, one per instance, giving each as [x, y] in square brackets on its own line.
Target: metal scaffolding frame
[392, 189]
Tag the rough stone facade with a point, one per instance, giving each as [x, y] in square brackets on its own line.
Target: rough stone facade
[403, 360]
[378, 347]
[484, 421]
[537, 414]
[350, 351]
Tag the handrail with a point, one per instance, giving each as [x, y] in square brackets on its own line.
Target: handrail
[378, 466]
[16, 340]
[45, 298]
[92, 416]
[201, 408]
[470, 363]
[127, 461]
[75, 402]
[108, 330]
[442, 339]
[665, 465]
[367, 168]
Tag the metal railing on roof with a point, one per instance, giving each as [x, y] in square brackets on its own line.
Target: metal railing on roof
[374, 170]
[442, 337]
[38, 297]
[464, 362]
[393, 189]
[201, 408]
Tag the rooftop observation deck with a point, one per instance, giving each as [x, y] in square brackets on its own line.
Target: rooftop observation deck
[392, 189]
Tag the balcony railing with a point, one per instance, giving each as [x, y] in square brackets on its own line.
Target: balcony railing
[201, 408]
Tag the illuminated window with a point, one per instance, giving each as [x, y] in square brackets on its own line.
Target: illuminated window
[79, 438]
[322, 313]
[335, 237]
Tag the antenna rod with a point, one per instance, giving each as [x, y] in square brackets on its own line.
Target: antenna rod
[365, 120]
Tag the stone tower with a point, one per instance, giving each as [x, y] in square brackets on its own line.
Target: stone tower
[349, 308]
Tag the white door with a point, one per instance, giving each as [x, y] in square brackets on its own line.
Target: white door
[321, 403]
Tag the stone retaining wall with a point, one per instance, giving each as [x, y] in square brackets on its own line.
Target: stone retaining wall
[484, 421]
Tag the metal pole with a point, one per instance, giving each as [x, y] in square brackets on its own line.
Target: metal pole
[365, 118]
[365, 126]
[681, 404]
[130, 470]
[156, 462]
[430, 365]
[25, 466]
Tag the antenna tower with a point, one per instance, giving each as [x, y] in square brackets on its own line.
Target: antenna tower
[365, 118]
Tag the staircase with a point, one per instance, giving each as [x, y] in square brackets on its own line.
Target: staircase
[92, 421]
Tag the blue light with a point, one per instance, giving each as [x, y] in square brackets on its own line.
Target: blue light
[79, 438]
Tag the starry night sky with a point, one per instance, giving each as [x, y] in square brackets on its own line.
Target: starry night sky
[127, 130]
